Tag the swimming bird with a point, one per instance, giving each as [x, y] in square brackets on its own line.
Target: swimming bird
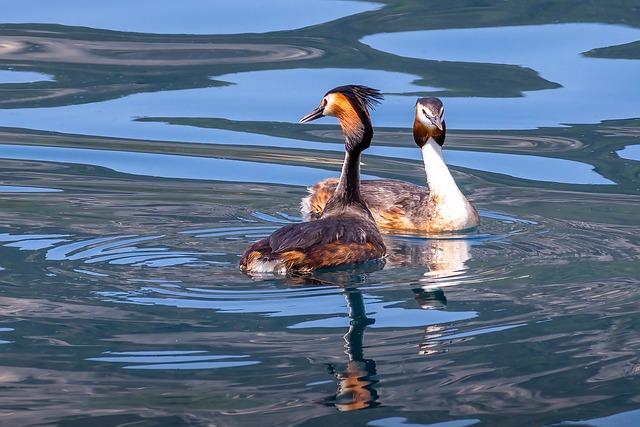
[402, 206]
[345, 232]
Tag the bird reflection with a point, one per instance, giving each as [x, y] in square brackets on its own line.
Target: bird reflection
[430, 345]
[444, 260]
[356, 385]
[430, 299]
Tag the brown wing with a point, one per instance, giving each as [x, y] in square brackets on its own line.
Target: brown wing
[318, 244]
[306, 235]
[393, 203]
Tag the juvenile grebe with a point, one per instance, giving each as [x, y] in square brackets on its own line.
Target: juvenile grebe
[346, 232]
[398, 205]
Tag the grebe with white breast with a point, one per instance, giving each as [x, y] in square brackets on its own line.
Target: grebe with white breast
[402, 206]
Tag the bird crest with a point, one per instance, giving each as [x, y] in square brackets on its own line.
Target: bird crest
[363, 96]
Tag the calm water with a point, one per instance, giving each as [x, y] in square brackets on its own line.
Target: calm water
[145, 145]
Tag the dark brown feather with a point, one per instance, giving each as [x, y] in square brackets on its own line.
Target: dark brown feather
[347, 233]
[390, 201]
[328, 242]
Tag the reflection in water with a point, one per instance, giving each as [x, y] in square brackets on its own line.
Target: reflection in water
[271, 334]
[191, 17]
[167, 166]
[136, 54]
[445, 259]
[356, 387]
[430, 345]
[624, 419]
[22, 76]
[446, 263]
[430, 299]
[583, 79]
[170, 360]
[24, 189]
[121, 300]
[632, 152]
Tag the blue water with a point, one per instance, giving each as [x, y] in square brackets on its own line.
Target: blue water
[145, 145]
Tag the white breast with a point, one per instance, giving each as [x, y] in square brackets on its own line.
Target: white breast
[448, 204]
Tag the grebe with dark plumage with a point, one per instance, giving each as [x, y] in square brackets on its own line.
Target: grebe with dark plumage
[398, 205]
[345, 232]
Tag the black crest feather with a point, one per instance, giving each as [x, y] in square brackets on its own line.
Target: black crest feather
[364, 96]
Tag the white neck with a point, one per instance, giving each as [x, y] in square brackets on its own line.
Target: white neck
[439, 178]
[446, 200]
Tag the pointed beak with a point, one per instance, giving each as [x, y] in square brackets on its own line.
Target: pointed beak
[315, 114]
[436, 122]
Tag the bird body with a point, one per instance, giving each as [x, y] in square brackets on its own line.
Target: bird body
[315, 245]
[345, 232]
[402, 206]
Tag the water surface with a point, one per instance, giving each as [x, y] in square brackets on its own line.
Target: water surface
[142, 149]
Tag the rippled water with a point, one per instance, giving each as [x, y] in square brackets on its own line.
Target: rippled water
[142, 149]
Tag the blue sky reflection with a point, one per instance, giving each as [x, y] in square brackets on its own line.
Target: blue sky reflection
[588, 93]
[184, 17]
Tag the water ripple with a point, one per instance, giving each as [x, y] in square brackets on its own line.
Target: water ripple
[149, 54]
[167, 360]
[114, 250]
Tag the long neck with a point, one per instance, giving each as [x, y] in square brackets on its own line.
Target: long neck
[446, 201]
[348, 189]
[358, 135]
[357, 129]
[439, 177]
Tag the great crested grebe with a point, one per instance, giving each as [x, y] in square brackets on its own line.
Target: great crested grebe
[346, 232]
[398, 205]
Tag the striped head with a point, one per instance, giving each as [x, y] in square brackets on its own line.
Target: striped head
[429, 121]
[350, 104]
